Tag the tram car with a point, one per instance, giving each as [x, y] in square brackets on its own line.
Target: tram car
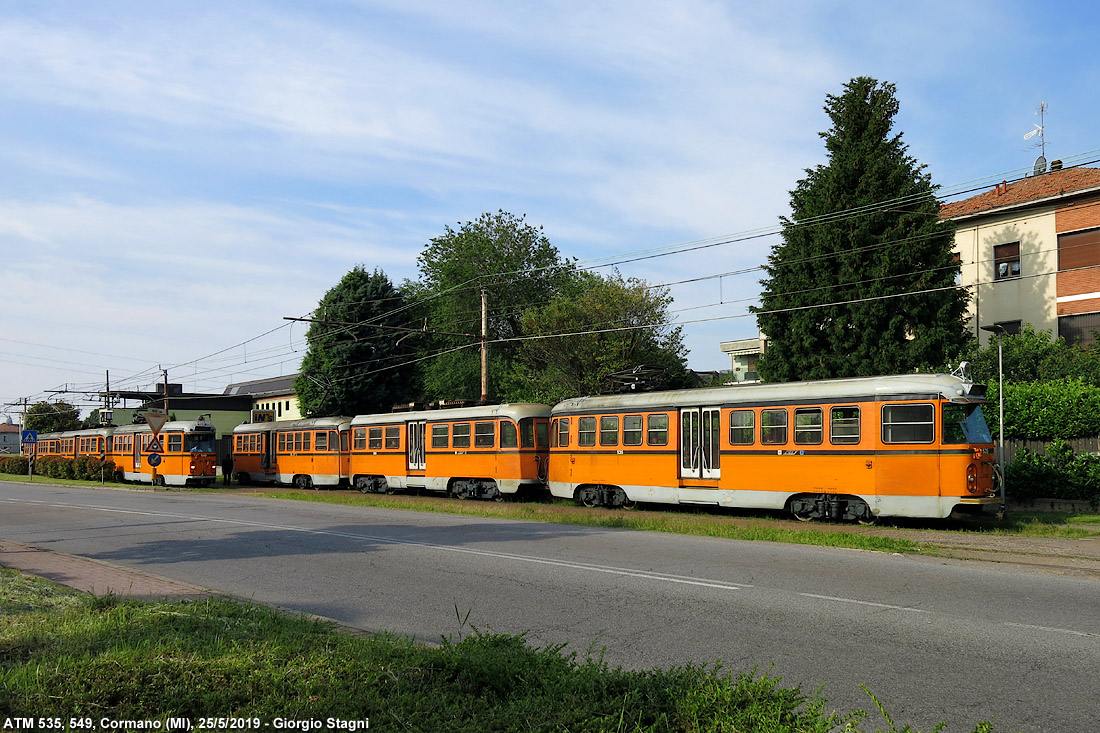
[188, 456]
[483, 452]
[308, 453]
[845, 449]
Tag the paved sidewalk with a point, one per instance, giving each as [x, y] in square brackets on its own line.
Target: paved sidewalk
[94, 576]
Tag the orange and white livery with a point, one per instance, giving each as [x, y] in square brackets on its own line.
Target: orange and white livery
[856, 449]
[482, 452]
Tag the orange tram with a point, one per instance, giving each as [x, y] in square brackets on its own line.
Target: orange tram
[188, 458]
[845, 449]
[483, 452]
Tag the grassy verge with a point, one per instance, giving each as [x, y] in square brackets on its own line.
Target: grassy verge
[70, 655]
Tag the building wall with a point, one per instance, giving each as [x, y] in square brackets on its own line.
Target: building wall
[1030, 297]
[284, 406]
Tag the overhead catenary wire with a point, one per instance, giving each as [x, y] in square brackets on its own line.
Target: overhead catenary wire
[280, 353]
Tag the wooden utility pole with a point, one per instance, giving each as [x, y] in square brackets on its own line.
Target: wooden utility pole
[484, 349]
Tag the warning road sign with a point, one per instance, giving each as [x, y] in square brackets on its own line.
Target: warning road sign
[155, 446]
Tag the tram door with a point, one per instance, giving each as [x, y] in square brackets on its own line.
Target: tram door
[414, 445]
[700, 430]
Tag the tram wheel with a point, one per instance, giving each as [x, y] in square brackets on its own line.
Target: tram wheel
[303, 482]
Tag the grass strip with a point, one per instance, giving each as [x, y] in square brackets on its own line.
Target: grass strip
[71, 655]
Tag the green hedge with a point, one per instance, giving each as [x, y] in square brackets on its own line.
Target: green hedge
[1064, 409]
[1061, 474]
[13, 464]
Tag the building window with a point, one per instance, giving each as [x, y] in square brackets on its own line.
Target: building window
[1079, 329]
[1006, 261]
[1079, 249]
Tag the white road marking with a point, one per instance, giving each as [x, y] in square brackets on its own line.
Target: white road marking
[1051, 628]
[864, 603]
[589, 567]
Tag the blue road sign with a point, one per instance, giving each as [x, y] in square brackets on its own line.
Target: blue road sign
[153, 459]
[30, 436]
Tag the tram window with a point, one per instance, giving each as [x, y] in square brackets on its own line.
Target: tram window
[440, 436]
[509, 434]
[657, 430]
[563, 431]
[461, 435]
[484, 435]
[742, 427]
[322, 441]
[844, 425]
[908, 423]
[586, 431]
[808, 428]
[282, 442]
[773, 427]
[609, 430]
[374, 439]
[964, 424]
[393, 437]
[632, 430]
[359, 439]
[542, 438]
[175, 442]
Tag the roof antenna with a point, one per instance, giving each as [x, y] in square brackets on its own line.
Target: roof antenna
[1041, 161]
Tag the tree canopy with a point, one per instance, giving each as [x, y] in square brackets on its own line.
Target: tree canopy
[610, 325]
[52, 417]
[361, 344]
[863, 282]
[518, 268]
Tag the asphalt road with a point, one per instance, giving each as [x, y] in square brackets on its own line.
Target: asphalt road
[934, 640]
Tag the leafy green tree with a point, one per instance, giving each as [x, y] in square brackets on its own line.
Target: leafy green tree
[517, 267]
[51, 417]
[611, 325]
[863, 231]
[361, 348]
[1033, 356]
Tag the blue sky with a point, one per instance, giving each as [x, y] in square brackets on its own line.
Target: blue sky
[179, 176]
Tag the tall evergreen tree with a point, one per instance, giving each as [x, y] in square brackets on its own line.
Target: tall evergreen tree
[359, 350]
[863, 232]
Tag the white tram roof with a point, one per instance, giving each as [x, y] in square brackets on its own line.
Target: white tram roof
[308, 423]
[899, 386]
[514, 410]
[175, 426]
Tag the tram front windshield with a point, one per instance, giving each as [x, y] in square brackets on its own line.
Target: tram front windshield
[200, 443]
[965, 424]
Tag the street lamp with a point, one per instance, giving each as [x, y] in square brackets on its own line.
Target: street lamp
[1000, 331]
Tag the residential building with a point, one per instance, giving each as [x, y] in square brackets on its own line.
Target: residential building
[1030, 253]
[743, 356]
[10, 436]
[275, 394]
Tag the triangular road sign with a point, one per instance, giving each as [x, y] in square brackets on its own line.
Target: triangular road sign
[155, 445]
[155, 419]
